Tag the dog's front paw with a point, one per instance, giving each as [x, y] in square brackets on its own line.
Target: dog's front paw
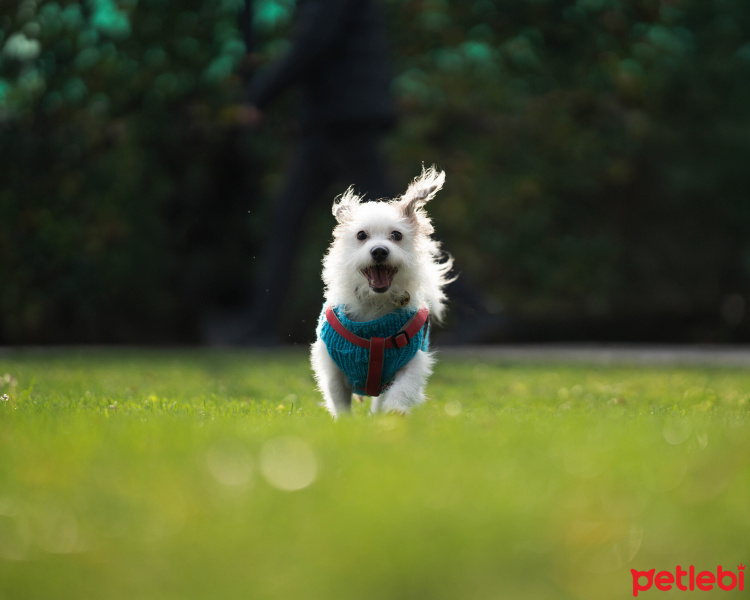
[395, 403]
[401, 412]
[378, 407]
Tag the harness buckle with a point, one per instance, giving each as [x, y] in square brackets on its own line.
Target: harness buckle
[400, 339]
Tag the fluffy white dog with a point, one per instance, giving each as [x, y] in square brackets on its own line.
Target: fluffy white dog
[384, 278]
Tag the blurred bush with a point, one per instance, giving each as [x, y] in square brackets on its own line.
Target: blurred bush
[116, 153]
[596, 153]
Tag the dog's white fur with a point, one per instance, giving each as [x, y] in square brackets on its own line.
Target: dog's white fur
[422, 274]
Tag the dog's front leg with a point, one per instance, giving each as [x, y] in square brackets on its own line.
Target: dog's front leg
[336, 390]
[407, 390]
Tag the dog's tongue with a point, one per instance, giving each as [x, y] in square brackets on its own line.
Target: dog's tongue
[379, 277]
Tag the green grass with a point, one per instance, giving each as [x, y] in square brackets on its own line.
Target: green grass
[200, 474]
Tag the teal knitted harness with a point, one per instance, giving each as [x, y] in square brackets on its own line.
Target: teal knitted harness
[370, 353]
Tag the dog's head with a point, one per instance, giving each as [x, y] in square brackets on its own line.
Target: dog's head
[382, 249]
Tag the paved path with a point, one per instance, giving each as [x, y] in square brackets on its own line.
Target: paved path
[605, 354]
[704, 355]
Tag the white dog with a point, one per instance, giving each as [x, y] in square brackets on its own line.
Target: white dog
[384, 277]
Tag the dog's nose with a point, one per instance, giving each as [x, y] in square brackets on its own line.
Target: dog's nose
[379, 254]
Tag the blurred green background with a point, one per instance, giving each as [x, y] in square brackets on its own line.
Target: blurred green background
[596, 153]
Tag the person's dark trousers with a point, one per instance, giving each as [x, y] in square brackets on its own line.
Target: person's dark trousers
[346, 155]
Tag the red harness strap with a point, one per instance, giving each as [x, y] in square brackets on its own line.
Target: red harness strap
[378, 345]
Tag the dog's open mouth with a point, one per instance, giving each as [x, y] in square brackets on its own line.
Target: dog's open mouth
[380, 277]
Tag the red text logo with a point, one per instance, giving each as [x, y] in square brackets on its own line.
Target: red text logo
[688, 580]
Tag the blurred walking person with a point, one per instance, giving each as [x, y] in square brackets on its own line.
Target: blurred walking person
[338, 59]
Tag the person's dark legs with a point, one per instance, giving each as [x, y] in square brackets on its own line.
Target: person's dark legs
[349, 156]
[307, 178]
[353, 157]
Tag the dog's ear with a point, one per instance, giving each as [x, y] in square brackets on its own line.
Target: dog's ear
[421, 191]
[343, 205]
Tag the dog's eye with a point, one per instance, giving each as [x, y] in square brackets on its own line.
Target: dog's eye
[361, 236]
[396, 236]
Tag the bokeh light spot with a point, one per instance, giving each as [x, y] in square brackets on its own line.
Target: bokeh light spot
[288, 463]
[230, 464]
